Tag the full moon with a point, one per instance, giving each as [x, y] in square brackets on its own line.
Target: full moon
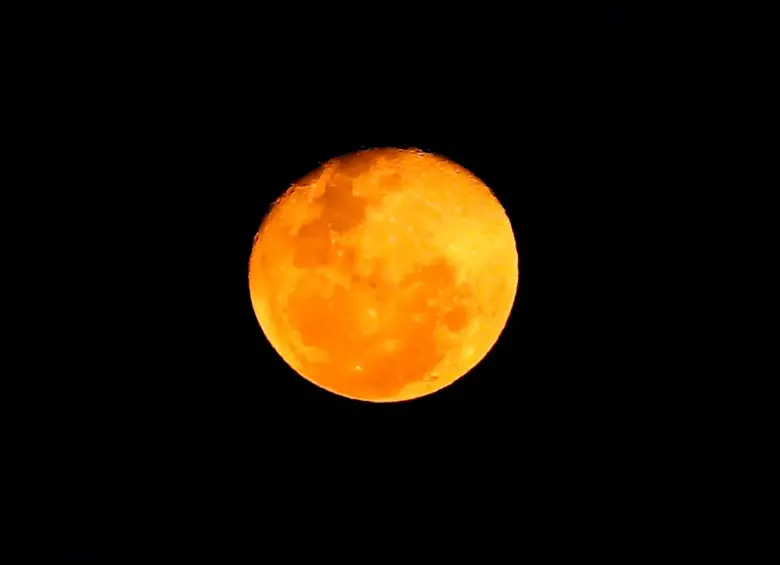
[384, 275]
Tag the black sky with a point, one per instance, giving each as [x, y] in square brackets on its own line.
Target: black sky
[177, 134]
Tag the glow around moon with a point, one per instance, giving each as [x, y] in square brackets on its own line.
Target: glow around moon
[384, 275]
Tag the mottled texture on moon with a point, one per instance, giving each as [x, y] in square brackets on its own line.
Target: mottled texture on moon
[384, 275]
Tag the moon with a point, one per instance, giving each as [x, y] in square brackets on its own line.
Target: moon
[384, 275]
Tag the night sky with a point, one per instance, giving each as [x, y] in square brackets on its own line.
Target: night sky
[181, 433]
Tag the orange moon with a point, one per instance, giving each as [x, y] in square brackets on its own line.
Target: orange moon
[384, 275]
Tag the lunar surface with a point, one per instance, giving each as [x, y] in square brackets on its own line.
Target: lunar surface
[384, 275]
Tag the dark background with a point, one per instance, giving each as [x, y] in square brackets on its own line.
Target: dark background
[176, 421]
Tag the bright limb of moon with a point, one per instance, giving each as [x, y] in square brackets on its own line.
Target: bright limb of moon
[384, 275]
